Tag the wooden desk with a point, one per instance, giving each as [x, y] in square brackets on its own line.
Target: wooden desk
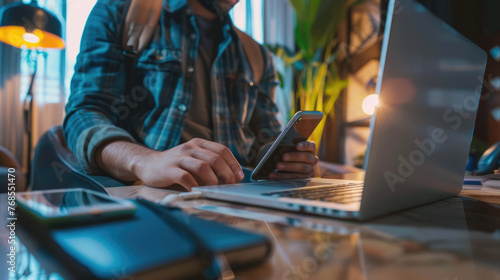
[458, 238]
[454, 239]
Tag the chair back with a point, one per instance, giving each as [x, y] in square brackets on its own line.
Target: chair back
[55, 167]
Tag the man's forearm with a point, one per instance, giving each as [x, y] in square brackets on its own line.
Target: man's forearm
[120, 159]
[197, 162]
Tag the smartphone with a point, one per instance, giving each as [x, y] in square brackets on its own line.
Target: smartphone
[72, 206]
[298, 129]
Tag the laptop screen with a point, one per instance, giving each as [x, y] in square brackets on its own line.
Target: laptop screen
[429, 85]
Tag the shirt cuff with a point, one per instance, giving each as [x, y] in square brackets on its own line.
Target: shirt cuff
[90, 140]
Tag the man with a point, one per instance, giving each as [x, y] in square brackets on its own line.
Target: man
[190, 112]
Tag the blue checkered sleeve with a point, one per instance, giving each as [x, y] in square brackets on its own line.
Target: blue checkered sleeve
[97, 86]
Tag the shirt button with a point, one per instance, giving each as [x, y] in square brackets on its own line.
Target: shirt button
[190, 69]
[192, 36]
[251, 84]
[182, 108]
[189, 11]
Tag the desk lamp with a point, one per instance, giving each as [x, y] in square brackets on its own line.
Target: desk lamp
[32, 27]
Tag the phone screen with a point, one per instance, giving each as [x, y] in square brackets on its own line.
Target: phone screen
[74, 202]
[297, 131]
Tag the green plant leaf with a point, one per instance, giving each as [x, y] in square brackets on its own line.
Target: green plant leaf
[277, 48]
[280, 79]
[326, 23]
[303, 25]
[289, 58]
[303, 39]
[313, 9]
[317, 83]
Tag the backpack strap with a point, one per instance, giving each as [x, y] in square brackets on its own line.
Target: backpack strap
[253, 53]
[138, 29]
[140, 24]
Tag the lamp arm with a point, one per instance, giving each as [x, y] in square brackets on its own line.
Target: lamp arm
[28, 119]
[28, 101]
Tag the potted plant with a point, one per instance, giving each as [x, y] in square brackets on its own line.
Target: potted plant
[317, 84]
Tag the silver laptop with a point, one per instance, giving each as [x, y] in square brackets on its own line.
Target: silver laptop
[429, 85]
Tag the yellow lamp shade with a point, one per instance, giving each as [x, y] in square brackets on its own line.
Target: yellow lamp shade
[30, 26]
[18, 37]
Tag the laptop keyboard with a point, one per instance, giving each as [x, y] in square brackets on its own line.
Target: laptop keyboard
[341, 193]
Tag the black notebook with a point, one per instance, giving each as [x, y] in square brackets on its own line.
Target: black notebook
[145, 247]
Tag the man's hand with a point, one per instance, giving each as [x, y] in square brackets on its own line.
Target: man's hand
[194, 163]
[300, 164]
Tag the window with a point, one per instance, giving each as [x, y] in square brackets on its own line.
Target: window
[77, 13]
[247, 15]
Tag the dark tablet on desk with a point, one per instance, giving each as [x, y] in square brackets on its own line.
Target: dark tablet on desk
[144, 247]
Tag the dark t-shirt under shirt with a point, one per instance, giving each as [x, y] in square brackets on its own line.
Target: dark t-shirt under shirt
[199, 117]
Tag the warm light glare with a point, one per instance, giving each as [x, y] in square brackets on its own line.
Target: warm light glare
[370, 103]
[18, 37]
[31, 38]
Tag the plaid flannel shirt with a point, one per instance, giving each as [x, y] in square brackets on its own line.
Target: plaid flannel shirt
[152, 109]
